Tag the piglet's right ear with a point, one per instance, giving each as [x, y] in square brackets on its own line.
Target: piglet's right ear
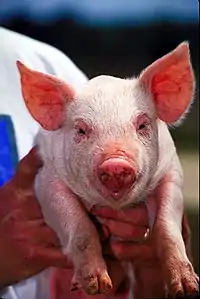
[45, 97]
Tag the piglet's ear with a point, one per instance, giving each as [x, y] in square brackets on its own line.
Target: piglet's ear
[170, 80]
[45, 97]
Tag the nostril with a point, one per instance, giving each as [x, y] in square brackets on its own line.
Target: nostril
[126, 175]
[104, 176]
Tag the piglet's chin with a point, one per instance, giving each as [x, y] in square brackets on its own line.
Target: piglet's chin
[120, 195]
[116, 200]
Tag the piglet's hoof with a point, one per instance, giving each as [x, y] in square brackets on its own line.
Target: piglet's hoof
[183, 282]
[93, 283]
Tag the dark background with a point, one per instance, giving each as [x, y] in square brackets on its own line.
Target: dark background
[122, 49]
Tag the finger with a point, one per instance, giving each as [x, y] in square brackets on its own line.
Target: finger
[51, 257]
[105, 233]
[102, 230]
[20, 219]
[124, 230]
[47, 237]
[133, 252]
[30, 209]
[36, 233]
[137, 214]
[39, 259]
[30, 164]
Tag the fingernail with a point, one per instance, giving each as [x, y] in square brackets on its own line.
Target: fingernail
[105, 231]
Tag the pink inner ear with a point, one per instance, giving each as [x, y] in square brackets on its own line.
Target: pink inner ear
[173, 89]
[45, 97]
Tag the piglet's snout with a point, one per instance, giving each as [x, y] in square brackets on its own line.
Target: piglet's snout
[117, 175]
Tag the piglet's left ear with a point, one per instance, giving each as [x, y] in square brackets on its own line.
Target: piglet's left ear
[170, 80]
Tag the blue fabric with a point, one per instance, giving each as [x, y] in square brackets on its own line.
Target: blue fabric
[8, 149]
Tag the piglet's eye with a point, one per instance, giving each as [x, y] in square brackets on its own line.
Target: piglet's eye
[142, 127]
[81, 132]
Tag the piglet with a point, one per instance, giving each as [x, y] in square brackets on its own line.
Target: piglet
[108, 144]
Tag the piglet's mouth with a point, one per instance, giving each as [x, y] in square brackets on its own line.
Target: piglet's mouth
[116, 176]
[118, 195]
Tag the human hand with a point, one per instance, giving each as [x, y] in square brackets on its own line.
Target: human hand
[27, 245]
[129, 228]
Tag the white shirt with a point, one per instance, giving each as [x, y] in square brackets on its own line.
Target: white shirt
[39, 56]
[45, 58]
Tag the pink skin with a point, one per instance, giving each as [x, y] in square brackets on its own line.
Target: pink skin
[116, 172]
[109, 125]
[117, 175]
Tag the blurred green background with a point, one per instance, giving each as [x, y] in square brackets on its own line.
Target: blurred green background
[120, 38]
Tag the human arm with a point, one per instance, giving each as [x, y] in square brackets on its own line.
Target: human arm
[27, 245]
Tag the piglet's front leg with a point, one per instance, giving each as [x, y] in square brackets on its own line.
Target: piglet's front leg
[64, 213]
[177, 269]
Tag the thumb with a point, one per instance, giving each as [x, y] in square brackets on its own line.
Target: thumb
[27, 169]
[53, 257]
[30, 164]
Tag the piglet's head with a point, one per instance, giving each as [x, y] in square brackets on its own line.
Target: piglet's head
[45, 97]
[129, 147]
